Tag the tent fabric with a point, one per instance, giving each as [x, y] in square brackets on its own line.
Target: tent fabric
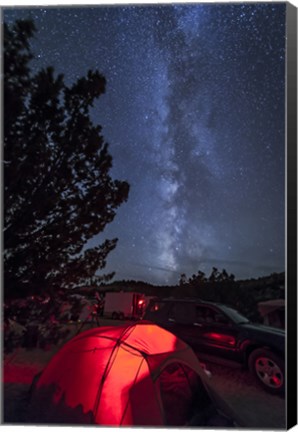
[178, 384]
[110, 376]
[270, 306]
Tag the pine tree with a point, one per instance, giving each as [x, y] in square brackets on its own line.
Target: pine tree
[58, 193]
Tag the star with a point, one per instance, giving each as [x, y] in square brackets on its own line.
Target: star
[194, 116]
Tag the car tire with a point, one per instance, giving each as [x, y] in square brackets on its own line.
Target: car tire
[114, 315]
[268, 369]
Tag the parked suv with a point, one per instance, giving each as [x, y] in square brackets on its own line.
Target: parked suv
[218, 332]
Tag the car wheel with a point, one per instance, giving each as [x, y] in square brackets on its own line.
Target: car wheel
[121, 316]
[114, 315]
[268, 369]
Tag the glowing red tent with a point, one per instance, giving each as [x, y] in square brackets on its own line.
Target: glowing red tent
[127, 375]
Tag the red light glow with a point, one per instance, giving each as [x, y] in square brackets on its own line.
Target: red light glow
[19, 374]
[221, 338]
[276, 381]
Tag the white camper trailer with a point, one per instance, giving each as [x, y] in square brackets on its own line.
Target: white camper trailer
[124, 305]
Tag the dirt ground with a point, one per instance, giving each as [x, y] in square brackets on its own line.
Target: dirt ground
[257, 408]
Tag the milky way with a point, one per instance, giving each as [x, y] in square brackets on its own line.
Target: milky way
[194, 114]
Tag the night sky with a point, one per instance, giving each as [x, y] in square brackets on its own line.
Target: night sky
[194, 113]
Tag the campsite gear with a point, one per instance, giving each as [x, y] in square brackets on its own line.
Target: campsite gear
[273, 312]
[124, 305]
[130, 375]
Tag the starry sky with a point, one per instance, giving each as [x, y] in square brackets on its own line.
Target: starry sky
[194, 114]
